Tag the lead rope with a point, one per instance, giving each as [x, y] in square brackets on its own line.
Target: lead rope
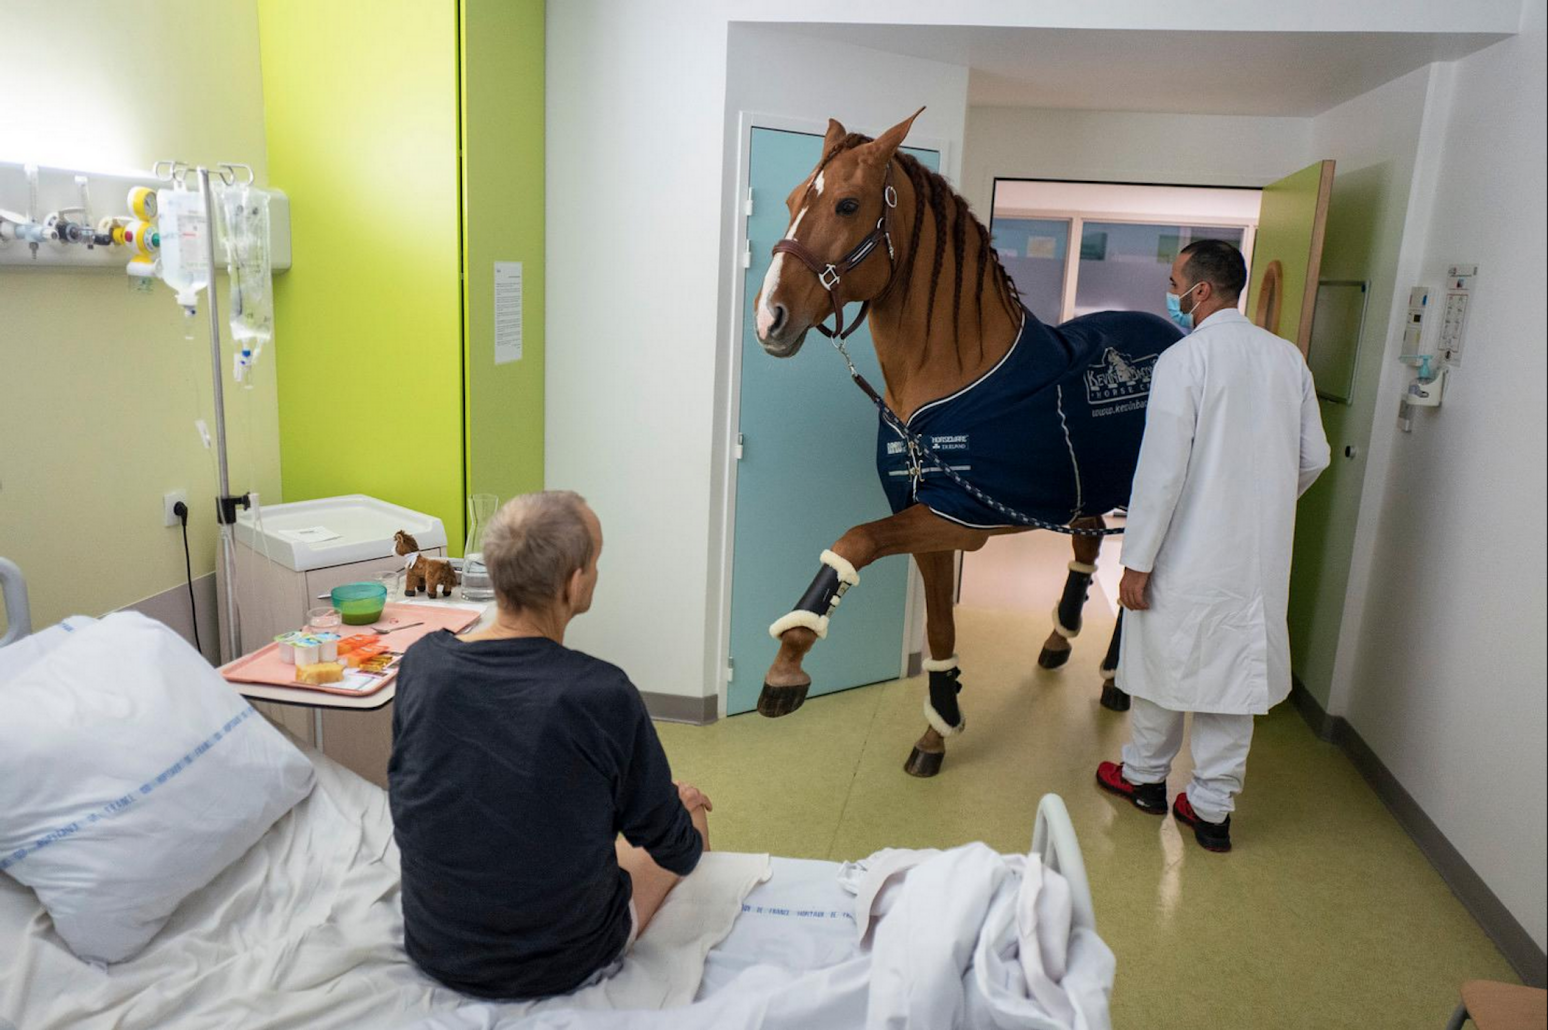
[917, 447]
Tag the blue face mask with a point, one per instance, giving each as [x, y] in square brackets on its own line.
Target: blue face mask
[1183, 319]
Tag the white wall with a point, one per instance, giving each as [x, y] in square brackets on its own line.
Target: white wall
[638, 361]
[1240, 16]
[1021, 198]
[1448, 685]
[1120, 146]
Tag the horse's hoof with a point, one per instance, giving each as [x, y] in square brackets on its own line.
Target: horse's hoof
[1051, 659]
[777, 701]
[924, 764]
[1114, 699]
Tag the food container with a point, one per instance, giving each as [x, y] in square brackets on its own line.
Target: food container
[360, 603]
[286, 648]
[327, 646]
[307, 648]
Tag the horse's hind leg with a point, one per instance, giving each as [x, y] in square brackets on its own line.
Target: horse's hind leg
[1112, 697]
[942, 712]
[1067, 615]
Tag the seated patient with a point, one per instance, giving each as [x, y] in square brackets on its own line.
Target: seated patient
[516, 764]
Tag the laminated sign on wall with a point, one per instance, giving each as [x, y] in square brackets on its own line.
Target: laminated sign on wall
[507, 311]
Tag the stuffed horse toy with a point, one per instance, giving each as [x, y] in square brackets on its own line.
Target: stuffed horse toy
[422, 572]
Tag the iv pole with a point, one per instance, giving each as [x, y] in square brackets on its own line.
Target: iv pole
[226, 503]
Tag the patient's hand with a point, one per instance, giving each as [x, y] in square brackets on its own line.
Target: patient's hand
[693, 798]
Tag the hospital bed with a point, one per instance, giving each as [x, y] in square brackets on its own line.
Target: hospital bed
[304, 931]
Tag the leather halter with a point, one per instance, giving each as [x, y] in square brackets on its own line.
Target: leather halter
[829, 275]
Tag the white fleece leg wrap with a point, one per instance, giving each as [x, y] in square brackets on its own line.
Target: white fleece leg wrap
[1082, 568]
[846, 571]
[939, 664]
[818, 624]
[940, 725]
[1061, 629]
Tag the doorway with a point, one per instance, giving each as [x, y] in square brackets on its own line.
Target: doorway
[1073, 248]
[806, 465]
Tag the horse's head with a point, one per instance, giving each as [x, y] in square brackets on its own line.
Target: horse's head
[839, 216]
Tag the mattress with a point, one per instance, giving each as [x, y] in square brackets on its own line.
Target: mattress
[305, 931]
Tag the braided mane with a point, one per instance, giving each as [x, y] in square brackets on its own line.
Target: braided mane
[953, 217]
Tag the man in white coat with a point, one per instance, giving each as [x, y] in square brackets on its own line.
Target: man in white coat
[1233, 437]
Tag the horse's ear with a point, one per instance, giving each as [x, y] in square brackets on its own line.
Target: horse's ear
[836, 134]
[881, 149]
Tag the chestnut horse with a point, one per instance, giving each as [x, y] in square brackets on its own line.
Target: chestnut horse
[872, 225]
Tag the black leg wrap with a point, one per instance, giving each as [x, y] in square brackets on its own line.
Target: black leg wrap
[944, 688]
[1110, 663]
[1073, 600]
[819, 596]
[1114, 699]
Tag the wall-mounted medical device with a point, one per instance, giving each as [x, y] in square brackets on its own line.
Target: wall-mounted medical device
[1433, 335]
[69, 218]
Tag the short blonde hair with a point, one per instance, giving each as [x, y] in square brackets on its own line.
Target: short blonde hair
[534, 544]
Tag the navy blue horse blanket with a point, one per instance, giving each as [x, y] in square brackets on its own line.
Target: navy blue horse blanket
[1053, 430]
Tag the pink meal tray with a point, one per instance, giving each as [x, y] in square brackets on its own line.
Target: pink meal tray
[264, 665]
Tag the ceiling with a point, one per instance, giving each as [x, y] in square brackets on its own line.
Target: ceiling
[1252, 73]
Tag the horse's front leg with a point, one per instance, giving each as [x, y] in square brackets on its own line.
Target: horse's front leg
[914, 530]
[942, 712]
[1067, 614]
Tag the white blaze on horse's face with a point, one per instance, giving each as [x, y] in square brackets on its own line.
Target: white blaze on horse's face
[767, 315]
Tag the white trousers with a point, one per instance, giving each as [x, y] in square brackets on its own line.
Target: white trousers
[1220, 746]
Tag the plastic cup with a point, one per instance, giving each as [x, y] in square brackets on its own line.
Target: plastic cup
[323, 620]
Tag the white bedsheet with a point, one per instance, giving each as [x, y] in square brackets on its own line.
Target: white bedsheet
[958, 939]
[304, 932]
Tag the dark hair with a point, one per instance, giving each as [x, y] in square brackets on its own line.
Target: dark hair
[1218, 263]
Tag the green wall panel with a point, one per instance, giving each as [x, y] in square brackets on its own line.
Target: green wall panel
[361, 120]
[502, 204]
[1364, 229]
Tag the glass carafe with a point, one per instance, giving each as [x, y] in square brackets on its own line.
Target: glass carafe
[476, 584]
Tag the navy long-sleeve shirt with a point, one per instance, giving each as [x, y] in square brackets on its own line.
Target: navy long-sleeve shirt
[515, 765]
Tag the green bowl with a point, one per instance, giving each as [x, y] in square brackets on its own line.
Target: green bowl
[360, 604]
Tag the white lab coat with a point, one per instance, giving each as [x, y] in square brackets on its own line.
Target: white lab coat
[1233, 437]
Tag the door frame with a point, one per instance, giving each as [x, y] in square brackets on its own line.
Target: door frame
[730, 385]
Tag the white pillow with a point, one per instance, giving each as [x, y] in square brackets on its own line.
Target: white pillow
[22, 653]
[131, 774]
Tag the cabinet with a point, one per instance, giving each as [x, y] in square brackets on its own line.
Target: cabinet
[279, 579]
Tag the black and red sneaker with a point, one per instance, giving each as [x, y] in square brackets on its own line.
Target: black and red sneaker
[1211, 836]
[1147, 797]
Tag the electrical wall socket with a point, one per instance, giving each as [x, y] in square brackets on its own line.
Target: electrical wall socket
[169, 500]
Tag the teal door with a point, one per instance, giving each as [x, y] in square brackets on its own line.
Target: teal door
[807, 472]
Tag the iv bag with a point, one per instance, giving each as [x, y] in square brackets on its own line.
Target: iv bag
[185, 264]
[245, 224]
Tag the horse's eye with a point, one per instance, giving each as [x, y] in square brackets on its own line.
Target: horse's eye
[848, 206]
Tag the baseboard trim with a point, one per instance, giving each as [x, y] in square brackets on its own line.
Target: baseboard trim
[171, 607]
[1513, 940]
[696, 711]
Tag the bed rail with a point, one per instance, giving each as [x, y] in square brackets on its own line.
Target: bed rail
[1053, 840]
[18, 616]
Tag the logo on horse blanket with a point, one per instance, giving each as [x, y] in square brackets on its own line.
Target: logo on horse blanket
[1116, 378]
